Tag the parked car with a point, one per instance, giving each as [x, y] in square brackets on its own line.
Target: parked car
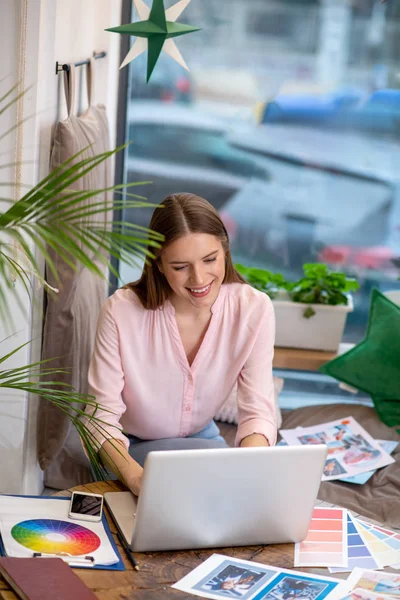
[348, 109]
[179, 148]
[309, 108]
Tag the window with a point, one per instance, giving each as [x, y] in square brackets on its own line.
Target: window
[289, 123]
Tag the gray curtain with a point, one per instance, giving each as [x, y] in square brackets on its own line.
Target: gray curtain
[71, 316]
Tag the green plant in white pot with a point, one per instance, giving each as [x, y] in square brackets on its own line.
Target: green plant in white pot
[320, 285]
[310, 312]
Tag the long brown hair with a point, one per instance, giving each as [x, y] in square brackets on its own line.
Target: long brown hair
[177, 216]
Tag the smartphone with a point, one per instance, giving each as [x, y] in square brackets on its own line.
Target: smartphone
[86, 507]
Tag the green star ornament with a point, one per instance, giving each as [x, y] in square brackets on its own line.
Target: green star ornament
[373, 365]
[154, 32]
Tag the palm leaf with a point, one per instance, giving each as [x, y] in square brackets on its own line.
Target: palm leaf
[54, 217]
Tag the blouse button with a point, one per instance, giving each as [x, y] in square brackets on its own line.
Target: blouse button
[187, 408]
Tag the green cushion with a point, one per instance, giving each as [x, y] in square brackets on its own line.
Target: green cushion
[373, 365]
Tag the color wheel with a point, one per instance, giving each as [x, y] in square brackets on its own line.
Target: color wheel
[51, 536]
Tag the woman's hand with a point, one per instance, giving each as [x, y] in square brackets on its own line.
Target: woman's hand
[116, 457]
[254, 440]
[135, 484]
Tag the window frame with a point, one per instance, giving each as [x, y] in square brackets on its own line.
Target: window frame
[122, 114]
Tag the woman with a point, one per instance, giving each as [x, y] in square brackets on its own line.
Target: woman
[171, 347]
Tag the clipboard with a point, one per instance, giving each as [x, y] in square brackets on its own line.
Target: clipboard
[118, 566]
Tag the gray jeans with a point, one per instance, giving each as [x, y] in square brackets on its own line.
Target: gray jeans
[209, 437]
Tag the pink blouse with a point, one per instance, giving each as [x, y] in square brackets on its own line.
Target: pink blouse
[144, 384]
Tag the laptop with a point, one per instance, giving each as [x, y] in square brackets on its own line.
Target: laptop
[221, 497]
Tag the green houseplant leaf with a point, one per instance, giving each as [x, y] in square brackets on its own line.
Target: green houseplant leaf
[319, 285]
[322, 286]
[263, 280]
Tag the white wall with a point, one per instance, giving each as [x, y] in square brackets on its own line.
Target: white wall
[35, 34]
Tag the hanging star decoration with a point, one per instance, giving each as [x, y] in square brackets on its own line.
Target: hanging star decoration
[154, 33]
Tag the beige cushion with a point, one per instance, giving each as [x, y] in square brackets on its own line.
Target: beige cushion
[71, 316]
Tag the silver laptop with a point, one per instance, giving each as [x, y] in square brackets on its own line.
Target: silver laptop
[221, 497]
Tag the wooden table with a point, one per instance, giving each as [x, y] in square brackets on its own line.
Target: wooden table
[304, 360]
[159, 570]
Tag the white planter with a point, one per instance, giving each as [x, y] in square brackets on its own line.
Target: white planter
[322, 331]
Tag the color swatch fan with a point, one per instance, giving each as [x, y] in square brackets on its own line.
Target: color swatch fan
[51, 536]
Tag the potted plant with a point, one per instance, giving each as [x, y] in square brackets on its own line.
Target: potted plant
[310, 312]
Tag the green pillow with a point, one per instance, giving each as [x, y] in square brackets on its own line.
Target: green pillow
[373, 365]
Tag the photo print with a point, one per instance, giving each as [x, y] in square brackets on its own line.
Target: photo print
[378, 582]
[316, 438]
[388, 587]
[333, 467]
[360, 594]
[366, 457]
[295, 587]
[234, 580]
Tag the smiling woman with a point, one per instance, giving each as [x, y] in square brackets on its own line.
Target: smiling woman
[172, 347]
[182, 263]
[198, 273]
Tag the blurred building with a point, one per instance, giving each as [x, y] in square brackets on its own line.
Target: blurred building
[323, 42]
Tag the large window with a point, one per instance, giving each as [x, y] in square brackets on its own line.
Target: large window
[289, 123]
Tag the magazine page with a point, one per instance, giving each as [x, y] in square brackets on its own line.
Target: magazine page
[351, 449]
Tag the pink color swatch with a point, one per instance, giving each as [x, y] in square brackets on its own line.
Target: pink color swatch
[326, 541]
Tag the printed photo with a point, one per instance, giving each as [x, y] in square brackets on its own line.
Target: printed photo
[233, 580]
[294, 588]
[361, 594]
[333, 467]
[314, 438]
[388, 587]
[380, 583]
[336, 448]
[361, 456]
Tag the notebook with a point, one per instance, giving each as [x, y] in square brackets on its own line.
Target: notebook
[43, 579]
